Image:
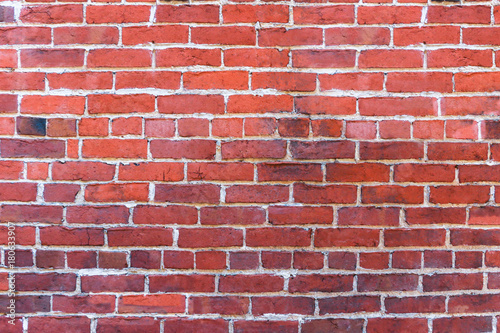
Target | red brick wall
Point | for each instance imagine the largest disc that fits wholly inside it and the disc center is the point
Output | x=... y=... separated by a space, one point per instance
x=268 y=166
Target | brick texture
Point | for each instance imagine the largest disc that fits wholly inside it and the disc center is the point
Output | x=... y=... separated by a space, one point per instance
x=250 y=165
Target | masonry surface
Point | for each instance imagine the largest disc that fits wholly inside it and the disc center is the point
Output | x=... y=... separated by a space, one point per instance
x=250 y=166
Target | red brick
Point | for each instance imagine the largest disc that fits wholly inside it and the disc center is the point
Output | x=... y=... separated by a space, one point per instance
x=284 y=81
x=447 y=282
x=218 y=171
x=61 y=192
x=143 y=236
x=351 y=81
x=390 y=58
x=481 y=35
x=289 y=172
x=112 y=324
x=31 y=213
x=52 y=14
x=119 y=58
x=320 y=283
x=188 y=14
x=360 y=172
x=182 y=283
x=170 y=303
x=117 y=14
x=222 y=305
x=279 y=215
x=84 y=304
x=210 y=260
x=424 y=173
x=53 y=105
x=326 y=127
x=282 y=305
x=225 y=35
x=227 y=127
x=43 y=324
x=474 y=303
x=475 y=237
x=324 y=194
x=243 y=260
x=256 y=57
x=174 y=325
x=260 y=126
x=374 y=260
x=171 y=259
x=155 y=35
x=484 y=215
x=438 y=259
x=276 y=237
x=459 y=58
x=86 y=35
x=276 y=259
x=117 y=192
x=113 y=260
x=45 y=282
x=417 y=82
x=379 y=325
x=190 y=104
x=325 y=105
x=350 y=304
x=468 y=259
x=434 y=215
x=368 y=216
x=329 y=325
x=414 y=237
x=364 y=130
x=323 y=14
x=250 y=283
x=459 y=194
x=52 y=58
x=461 y=324
x=188 y=193
x=426 y=35
x=252 y=14
x=461 y=106
x=392 y=194
x=345 y=237
x=18 y=192
x=290 y=37
x=237 y=80
x=459 y=14
x=210 y=237
x=389 y=14
x=188 y=57
x=322 y=150
x=323 y=58
x=190 y=127
x=71 y=236
x=112 y=283
x=25 y=35
x=165 y=215
x=393 y=106
x=113 y=148
x=357 y=36
x=22 y=81
x=406 y=260
x=442 y=151
x=418 y=304
x=232 y=215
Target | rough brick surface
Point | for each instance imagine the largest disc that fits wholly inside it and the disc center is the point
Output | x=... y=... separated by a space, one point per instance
x=250 y=165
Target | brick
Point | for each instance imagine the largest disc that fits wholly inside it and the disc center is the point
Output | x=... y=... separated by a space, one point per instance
x=226 y=305
x=188 y=14
x=289 y=172
x=117 y=192
x=406 y=260
x=250 y=283
x=112 y=283
x=85 y=35
x=190 y=104
x=146 y=259
x=46 y=282
x=113 y=260
x=325 y=105
x=320 y=283
x=77 y=324
x=442 y=151
x=327 y=325
x=419 y=173
x=459 y=58
x=470 y=106
x=276 y=237
x=378 y=325
x=399 y=150
x=389 y=14
x=261 y=57
x=345 y=237
x=419 y=304
x=484 y=215
x=241 y=13
x=426 y=35
x=139 y=103
x=52 y=58
x=462 y=324
x=323 y=14
x=25 y=35
x=218 y=171
x=276 y=259
x=313 y=194
x=284 y=81
x=31 y=213
x=61 y=127
x=390 y=59
x=350 y=304
x=99 y=58
x=280 y=215
x=468 y=259
x=210 y=237
x=21 y=81
x=357 y=36
x=111 y=324
x=113 y=148
x=205 y=193
x=117 y=14
x=414 y=237
x=308 y=260
x=165 y=34
x=473 y=303
x=52 y=14
x=438 y=259
x=459 y=14
x=160 y=80
x=52 y=105
x=173 y=325
x=226 y=35
x=282 y=305
x=188 y=57
x=351 y=81
x=143 y=236
x=232 y=215
x=459 y=194
x=182 y=283
x=18 y=192
x=322 y=150
x=434 y=215
x=84 y=304
x=446 y=282
x=210 y=260
x=360 y=172
x=71 y=236
x=365 y=130
x=323 y=58
x=290 y=37
x=326 y=127
x=393 y=106
x=170 y=303
x=421 y=81
x=61 y=192
x=260 y=126
x=368 y=216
